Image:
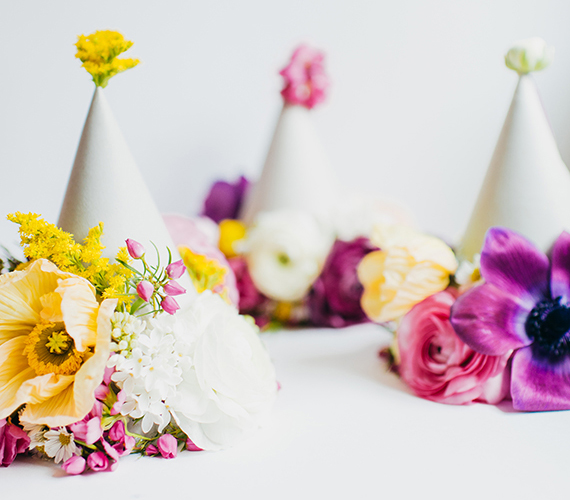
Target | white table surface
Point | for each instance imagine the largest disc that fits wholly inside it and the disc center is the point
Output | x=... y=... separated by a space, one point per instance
x=342 y=428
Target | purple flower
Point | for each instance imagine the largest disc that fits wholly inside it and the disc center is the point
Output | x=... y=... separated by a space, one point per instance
x=334 y=300
x=524 y=306
x=224 y=200
x=13 y=441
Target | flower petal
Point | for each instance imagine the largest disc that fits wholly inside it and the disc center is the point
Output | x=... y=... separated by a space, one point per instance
x=538 y=385
x=511 y=262
x=490 y=321
x=560 y=273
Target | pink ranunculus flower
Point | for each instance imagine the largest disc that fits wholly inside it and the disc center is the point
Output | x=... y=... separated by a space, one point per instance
x=306 y=82
x=13 y=441
x=437 y=365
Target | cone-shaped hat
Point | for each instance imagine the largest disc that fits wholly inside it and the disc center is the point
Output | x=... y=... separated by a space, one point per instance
x=297 y=173
x=527 y=185
x=106 y=186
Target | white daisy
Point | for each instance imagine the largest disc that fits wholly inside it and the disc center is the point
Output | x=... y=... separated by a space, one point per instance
x=36 y=433
x=60 y=445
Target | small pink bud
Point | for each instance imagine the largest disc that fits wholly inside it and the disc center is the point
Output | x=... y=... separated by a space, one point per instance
x=176 y=269
x=117 y=432
x=151 y=450
x=145 y=290
x=74 y=465
x=167 y=445
x=169 y=305
x=173 y=288
x=136 y=250
x=190 y=446
x=98 y=461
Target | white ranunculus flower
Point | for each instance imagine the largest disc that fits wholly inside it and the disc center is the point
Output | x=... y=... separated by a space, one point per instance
x=531 y=54
x=228 y=381
x=285 y=252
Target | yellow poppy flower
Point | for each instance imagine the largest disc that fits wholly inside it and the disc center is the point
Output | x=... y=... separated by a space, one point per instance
x=410 y=267
x=54 y=344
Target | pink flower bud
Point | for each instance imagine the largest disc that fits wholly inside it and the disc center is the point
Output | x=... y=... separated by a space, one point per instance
x=190 y=446
x=136 y=250
x=176 y=269
x=145 y=290
x=98 y=461
x=74 y=465
x=151 y=450
x=117 y=432
x=173 y=288
x=167 y=445
x=169 y=305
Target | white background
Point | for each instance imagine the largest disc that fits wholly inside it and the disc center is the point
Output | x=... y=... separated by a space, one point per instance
x=419 y=95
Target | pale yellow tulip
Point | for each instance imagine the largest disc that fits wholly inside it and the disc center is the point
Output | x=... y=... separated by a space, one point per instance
x=54 y=344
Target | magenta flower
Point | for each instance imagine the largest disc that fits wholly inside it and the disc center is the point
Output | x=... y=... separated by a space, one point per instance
x=173 y=288
x=98 y=461
x=251 y=301
x=136 y=250
x=306 y=82
x=169 y=305
x=190 y=446
x=524 y=307
x=167 y=445
x=74 y=465
x=151 y=450
x=176 y=269
x=13 y=441
x=225 y=199
x=334 y=300
x=145 y=290
x=87 y=430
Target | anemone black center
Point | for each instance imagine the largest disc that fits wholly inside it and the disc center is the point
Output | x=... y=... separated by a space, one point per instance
x=548 y=326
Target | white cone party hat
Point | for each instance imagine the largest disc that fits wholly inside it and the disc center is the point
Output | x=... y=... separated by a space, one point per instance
x=297 y=173
x=527 y=185
x=106 y=186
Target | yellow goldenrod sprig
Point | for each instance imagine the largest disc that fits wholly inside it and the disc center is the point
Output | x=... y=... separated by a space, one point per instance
x=41 y=240
x=98 y=52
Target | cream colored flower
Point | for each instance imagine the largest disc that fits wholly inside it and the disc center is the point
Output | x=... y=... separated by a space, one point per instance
x=531 y=54
x=54 y=344
x=60 y=445
x=409 y=268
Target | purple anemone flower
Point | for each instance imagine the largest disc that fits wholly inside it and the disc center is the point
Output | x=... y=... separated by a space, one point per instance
x=524 y=307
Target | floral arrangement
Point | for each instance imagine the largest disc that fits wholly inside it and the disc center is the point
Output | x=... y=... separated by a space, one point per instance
x=489 y=330
x=290 y=267
x=101 y=358
x=92 y=370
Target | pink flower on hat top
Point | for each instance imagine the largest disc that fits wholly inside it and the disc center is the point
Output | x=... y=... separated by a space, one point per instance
x=306 y=82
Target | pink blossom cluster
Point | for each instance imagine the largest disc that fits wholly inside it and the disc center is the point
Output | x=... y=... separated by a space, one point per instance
x=162 y=287
x=306 y=82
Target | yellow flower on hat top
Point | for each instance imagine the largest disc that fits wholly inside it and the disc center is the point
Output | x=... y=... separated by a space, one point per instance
x=408 y=268
x=98 y=52
x=54 y=344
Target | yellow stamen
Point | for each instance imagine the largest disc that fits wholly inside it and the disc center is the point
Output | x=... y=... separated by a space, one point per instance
x=51 y=350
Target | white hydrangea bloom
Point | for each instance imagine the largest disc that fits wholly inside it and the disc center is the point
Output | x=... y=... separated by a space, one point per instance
x=285 y=252
x=205 y=367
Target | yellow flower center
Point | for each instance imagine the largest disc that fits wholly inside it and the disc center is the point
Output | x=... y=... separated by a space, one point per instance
x=51 y=350
x=64 y=439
